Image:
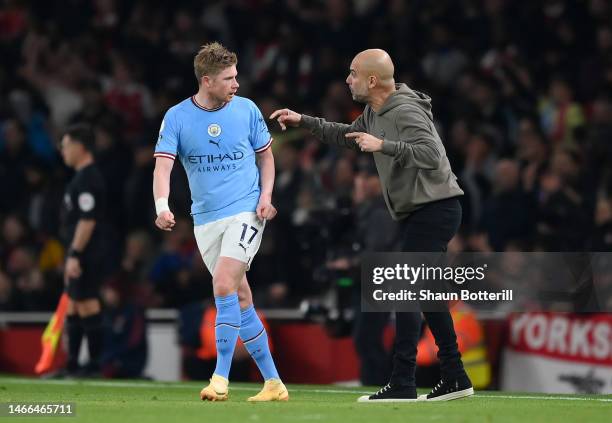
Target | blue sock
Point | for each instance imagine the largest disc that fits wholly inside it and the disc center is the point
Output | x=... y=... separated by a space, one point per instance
x=227 y=326
x=255 y=339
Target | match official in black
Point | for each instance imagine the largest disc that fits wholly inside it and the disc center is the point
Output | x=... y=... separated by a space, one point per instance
x=420 y=191
x=84 y=208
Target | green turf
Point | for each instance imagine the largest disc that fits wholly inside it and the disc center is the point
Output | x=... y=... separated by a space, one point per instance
x=135 y=401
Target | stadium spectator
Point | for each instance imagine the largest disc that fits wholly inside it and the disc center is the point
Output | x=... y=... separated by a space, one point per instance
x=560 y=114
x=508 y=213
x=602 y=233
x=6 y=293
x=172 y=266
x=15 y=156
x=32 y=294
x=125 y=332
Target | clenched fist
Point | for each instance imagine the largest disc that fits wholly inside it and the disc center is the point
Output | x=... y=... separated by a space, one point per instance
x=165 y=221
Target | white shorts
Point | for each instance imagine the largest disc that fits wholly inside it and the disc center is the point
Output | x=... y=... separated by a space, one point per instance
x=237 y=236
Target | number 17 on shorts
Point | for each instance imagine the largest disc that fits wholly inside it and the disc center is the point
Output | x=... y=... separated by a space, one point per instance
x=238 y=237
x=245 y=233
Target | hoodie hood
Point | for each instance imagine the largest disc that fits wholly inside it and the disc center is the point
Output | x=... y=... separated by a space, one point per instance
x=404 y=95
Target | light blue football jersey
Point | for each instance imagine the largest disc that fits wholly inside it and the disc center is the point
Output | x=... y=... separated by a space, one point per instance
x=217 y=149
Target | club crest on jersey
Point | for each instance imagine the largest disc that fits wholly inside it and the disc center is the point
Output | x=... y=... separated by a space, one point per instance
x=214 y=130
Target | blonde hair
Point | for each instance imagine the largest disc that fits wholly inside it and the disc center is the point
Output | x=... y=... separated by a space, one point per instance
x=212 y=59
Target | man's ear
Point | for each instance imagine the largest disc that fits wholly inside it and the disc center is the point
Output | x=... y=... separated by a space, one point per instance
x=206 y=81
x=372 y=81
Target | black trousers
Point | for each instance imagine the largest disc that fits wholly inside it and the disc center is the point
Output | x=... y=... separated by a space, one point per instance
x=429 y=229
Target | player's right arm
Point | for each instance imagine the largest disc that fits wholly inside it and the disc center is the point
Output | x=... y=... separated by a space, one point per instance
x=165 y=154
x=328 y=132
x=161 y=192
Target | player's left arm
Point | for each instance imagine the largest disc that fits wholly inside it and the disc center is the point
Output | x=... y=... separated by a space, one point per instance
x=261 y=141
x=88 y=207
x=265 y=163
x=82 y=235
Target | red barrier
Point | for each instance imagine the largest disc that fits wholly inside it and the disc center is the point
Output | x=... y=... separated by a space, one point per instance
x=20 y=349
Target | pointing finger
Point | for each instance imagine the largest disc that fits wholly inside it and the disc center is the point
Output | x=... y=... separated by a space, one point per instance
x=353 y=134
x=276 y=113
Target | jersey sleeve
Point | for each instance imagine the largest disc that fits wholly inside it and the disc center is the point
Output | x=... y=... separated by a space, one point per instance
x=167 y=141
x=260 y=135
x=89 y=200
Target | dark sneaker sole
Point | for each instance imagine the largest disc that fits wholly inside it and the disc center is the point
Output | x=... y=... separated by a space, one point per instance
x=366 y=398
x=451 y=396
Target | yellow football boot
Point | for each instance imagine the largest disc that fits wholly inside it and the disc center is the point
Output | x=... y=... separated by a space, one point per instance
x=216 y=389
x=273 y=390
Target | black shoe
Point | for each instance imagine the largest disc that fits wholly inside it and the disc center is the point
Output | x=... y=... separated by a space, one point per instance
x=90 y=371
x=447 y=390
x=64 y=373
x=392 y=393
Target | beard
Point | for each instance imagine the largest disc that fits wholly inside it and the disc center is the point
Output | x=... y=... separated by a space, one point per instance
x=359 y=98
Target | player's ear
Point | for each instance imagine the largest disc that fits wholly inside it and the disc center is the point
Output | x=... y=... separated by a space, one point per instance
x=206 y=81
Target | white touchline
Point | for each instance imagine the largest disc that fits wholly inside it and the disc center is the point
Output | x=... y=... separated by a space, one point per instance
x=243 y=388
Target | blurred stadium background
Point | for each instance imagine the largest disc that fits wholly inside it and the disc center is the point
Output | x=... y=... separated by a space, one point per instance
x=522 y=93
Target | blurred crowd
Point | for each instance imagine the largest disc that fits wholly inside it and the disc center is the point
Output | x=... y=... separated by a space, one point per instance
x=522 y=96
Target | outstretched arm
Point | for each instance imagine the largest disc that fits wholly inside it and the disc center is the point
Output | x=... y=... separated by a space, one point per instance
x=328 y=132
x=161 y=192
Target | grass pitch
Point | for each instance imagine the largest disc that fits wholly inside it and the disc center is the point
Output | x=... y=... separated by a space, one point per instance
x=136 y=401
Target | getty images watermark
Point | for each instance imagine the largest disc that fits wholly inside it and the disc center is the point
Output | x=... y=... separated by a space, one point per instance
x=516 y=281
x=423 y=273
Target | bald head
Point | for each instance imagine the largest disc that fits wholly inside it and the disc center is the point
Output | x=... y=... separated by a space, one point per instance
x=375 y=62
x=371 y=77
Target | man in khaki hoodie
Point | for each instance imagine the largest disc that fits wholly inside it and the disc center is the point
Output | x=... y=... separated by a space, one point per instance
x=420 y=191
